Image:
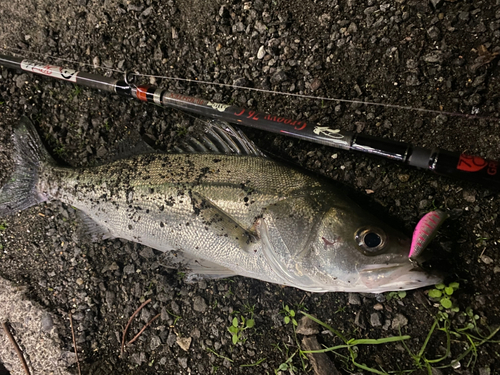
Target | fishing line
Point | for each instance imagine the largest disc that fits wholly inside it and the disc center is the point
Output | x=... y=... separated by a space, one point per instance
x=324 y=98
x=265 y=91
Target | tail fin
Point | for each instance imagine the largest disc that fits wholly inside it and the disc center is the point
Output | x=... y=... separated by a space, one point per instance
x=21 y=192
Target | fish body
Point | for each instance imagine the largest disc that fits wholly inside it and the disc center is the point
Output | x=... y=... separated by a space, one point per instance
x=226 y=214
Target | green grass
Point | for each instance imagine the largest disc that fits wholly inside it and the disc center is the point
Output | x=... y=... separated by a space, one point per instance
x=442 y=293
x=240 y=323
x=351 y=345
x=469 y=337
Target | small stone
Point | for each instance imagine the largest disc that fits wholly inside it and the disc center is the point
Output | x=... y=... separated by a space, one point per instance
x=199 y=304
x=463 y=16
x=261 y=53
x=202 y=284
x=469 y=196
x=353 y=299
x=324 y=19
x=315 y=84
x=399 y=321
x=260 y=27
x=113 y=267
x=171 y=339
x=352 y=28
x=486 y=259
x=385 y=7
x=196 y=333
x=435 y=3
x=47 y=322
x=242 y=81
x=79 y=281
x=434 y=33
x=386 y=325
x=21 y=80
x=147 y=253
x=479 y=80
x=129 y=269
x=147 y=12
x=223 y=12
x=110 y=298
x=136 y=358
x=307 y=326
x=184 y=342
x=278 y=77
x=183 y=361
x=359 y=320
x=423 y=204
x=435 y=57
x=239 y=27
x=155 y=342
x=375 y=319
x=441 y=119
x=412 y=80
x=403 y=177
x=175 y=308
x=378 y=307
x=411 y=64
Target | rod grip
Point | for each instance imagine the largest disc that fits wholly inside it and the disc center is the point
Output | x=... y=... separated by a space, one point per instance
x=472 y=168
x=466 y=167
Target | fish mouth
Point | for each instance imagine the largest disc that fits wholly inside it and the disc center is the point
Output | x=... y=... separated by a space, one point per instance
x=380 y=278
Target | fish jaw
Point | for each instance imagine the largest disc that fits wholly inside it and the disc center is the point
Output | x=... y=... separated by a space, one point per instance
x=404 y=275
x=374 y=278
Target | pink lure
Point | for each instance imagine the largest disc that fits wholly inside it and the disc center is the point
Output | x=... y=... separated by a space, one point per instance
x=425 y=231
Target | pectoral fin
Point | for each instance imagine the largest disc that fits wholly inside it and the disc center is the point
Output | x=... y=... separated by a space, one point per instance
x=221 y=223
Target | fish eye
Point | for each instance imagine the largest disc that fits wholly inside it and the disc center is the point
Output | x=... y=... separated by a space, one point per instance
x=371 y=240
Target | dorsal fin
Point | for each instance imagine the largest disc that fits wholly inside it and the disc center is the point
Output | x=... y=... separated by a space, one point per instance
x=213 y=136
x=221 y=138
x=132 y=145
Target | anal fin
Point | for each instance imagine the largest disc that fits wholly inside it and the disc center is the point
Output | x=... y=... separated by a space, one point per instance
x=197 y=268
x=90 y=228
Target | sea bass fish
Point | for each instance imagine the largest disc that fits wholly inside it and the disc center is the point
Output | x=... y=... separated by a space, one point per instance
x=227 y=211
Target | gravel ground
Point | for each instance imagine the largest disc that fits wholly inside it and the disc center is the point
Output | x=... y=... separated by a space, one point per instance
x=439 y=55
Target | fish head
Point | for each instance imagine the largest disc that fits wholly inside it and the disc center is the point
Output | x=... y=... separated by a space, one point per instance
x=351 y=250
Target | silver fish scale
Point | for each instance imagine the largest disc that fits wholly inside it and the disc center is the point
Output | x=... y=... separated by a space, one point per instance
x=205 y=204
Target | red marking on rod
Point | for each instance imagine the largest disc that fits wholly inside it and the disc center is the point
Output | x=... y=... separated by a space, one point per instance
x=471 y=163
x=142 y=93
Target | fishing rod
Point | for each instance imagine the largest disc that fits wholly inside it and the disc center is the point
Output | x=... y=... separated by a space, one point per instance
x=441 y=162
